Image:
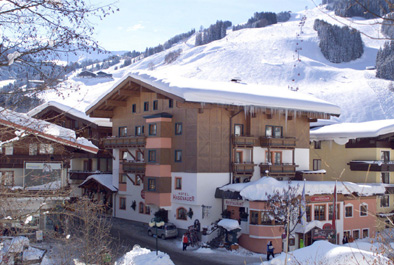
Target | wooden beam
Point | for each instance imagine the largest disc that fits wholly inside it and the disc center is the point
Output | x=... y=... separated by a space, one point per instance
x=128 y=93
x=160 y=96
x=115 y=103
x=191 y=105
x=102 y=114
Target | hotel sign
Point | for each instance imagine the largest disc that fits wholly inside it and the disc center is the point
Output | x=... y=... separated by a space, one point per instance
x=235 y=203
x=323 y=198
x=184 y=197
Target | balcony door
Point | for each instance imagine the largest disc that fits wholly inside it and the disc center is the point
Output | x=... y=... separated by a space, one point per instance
x=274 y=157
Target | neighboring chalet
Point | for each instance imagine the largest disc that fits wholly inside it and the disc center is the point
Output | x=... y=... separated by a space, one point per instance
x=34 y=162
x=92 y=129
x=355 y=214
x=357 y=152
x=174 y=144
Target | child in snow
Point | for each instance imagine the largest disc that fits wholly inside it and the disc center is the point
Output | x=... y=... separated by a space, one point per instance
x=270 y=250
x=185 y=241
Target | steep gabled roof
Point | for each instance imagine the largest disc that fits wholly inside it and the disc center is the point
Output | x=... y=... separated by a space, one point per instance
x=30 y=126
x=61 y=108
x=204 y=92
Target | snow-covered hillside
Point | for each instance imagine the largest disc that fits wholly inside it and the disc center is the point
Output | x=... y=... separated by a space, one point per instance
x=266 y=56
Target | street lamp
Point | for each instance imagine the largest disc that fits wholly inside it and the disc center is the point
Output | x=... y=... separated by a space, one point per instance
x=156 y=222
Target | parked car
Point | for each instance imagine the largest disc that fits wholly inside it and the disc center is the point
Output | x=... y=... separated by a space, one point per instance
x=167 y=231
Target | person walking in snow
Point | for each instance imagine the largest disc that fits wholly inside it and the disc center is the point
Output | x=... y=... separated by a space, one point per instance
x=185 y=241
x=270 y=250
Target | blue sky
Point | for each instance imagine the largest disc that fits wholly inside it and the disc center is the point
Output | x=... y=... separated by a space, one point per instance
x=147 y=23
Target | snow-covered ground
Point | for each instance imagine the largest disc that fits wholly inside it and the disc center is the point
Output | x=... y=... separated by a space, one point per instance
x=265 y=56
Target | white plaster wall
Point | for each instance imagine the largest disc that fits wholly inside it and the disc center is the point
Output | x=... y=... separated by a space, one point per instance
x=302 y=158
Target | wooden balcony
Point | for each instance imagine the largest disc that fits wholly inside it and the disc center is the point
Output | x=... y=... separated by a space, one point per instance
x=372 y=165
x=133 y=167
x=243 y=169
x=82 y=175
x=283 y=143
x=311 y=175
x=127 y=141
x=278 y=170
x=244 y=141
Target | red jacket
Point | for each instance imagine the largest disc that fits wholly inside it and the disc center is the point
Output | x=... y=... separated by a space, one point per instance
x=185 y=239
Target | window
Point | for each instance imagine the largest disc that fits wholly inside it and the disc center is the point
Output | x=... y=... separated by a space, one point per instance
x=238 y=157
x=178 y=183
x=291 y=241
x=273 y=131
x=139 y=130
x=385 y=177
x=365 y=232
x=44 y=149
x=124 y=155
x=363 y=210
x=152 y=129
x=147 y=209
x=356 y=234
x=33 y=149
x=139 y=156
x=141 y=207
x=178 y=128
x=9 y=149
x=385 y=156
x=155 y=104
x=274 y=157
x=349 y=211
x=170 y=103
x=316 y=164
x=152 y=156
x=146 y=106
x=122 y=178
x=317 y=144
x=178 y=155
x=254 y=217
x=122 y=131
x=151 y=184
x=320 y=212
x=181 y=213
x=385 y=201
x=330 y=213
x=7 y=178
x=122 y=203
x=238 y=130
x=137 y=180
x=134 y=108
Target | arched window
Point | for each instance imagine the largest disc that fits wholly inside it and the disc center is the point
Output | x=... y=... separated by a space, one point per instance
x=181 y=213
x=141 y=207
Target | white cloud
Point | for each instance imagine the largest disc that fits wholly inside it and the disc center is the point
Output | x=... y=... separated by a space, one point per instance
x=135 y=27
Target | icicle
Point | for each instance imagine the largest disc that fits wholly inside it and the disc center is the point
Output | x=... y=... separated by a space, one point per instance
x=331 y=145
x=295 y=117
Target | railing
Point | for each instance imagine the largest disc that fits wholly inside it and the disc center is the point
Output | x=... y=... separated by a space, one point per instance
x=372 y=165
x=127 y=141
x=243 y=168
x=133 y=167
x=82 y=175
x=278 y=169
x=244 y=140
x=287 y=142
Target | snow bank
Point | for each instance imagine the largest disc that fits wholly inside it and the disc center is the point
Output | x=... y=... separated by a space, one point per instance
x=261 y=189
x=229 y=224
x=322 y=252
x=143 y=256
x=342 y=132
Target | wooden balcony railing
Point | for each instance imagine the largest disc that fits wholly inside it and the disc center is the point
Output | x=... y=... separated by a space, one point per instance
x=248 y=141
x=372 y=165
x=285 y=143
x=278 y=169
x=133 y=167
x=127 y=141
x=244 y=169
x=82 y=175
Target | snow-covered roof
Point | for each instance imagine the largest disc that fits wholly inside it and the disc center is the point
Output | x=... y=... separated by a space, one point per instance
x=229 y=224
x=229 y=93
x=261 y=189
x=103 y=179
x=25 y=125
x=68 y=109
x=342 y=132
